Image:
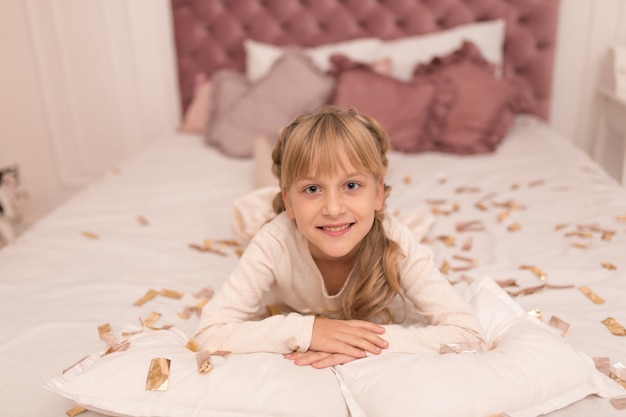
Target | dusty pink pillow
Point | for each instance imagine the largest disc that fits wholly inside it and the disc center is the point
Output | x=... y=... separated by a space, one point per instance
x=401 y=108
x=474 y=110
x=293 y=86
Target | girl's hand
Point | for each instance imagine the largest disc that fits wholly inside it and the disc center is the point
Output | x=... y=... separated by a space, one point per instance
x=319 y=360
x=352 y=338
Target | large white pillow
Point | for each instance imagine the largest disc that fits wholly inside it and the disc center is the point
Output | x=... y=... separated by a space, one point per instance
x=406 y=53
x=530 y=371
x=259 y=385
x=261 y=56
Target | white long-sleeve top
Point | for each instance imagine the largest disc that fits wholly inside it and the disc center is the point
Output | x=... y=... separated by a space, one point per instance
x=278 y=262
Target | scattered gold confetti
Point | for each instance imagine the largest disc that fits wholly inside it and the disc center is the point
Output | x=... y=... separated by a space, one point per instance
x=407 y=179
x=579 y=245
x=467 y=244
x=503 y=215
x=619 y=370
x=447 y=240
x=510 y=205
x=509 y=282
x=595 y=298
x=74 y=364
x=526 y=291
x=481 y=206
x=621 y=218
x=603 y=365
x=583 y=235
x=619 y=403
x=75 y=411
x=536 y=183
x=536 y=313
x=149 y=295
x=560 y=226
x=143 y=221
x=273 y=310
x=203 y=360
x=103 y=330
x=445 y=267
x=559 y=324
x=206 y=292
x=90 y=235
x=608 y=235
x=467 y=189
x=158 y=375
x=535 y=270
x=169 y=293
x=614 y=327
x=192 y=345
x=470 y=226
x=514 y=227
x=609 y=266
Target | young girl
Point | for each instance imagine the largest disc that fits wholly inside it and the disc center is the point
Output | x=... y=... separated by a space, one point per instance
x=348 y=273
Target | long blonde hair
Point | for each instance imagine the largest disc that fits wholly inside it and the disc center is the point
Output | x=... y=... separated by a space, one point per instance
x=310 y=144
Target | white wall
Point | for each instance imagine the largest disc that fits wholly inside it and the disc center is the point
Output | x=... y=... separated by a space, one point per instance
x=85 y=84
x=587 y=28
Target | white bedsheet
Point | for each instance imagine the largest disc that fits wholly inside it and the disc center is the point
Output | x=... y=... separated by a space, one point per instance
x=57 y=285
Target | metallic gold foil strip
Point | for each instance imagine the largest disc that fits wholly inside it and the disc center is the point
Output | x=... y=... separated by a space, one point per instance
x=152 y=318
x=503 y=215
x=579 y=245
x=619 y=370
x=461 y=347
x=619 y=403
x=72 y=412
x=468 y=280
x=142 y=220
x=103 y=330
x=621 y=218
x=239 y=252
x=158 y=375
x=206 y=292
x=560 y=226
x=514 y=186
x=526 y=291
x=614 y=327
x=445 y=267
x=169 y=293
x=535 y=270
x=467 y=244
x=609 y=266
x=406 y=179
x=74 y=364
x=608 y=236
x=470 y=226
x=90 y=235
x=514 y=227
x=192 y=345
x=464 y=259
x=559 y=324
x=536 y=313
x=582 y=235
x=603 y=365
x=434 y=202
x=509 y=282
x=481 y=206
x=273 y=310
x=595 y=298
x=467 y=189
x=119 y=347
x=618 y=380
x=149 y=295
x=510 y=204
x=221 y=353
x=228 y=242
x=203 y=359
x=447 y=240
x=536 y=183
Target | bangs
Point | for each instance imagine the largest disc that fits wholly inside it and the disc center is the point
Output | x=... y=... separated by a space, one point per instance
x=324 y=146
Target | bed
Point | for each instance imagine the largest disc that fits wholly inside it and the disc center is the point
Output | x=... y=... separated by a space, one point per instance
x=100 y=297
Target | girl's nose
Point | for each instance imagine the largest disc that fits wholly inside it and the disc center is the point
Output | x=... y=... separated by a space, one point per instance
x=333 y=204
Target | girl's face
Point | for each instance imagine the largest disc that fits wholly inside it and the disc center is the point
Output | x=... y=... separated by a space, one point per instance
x=335 y=212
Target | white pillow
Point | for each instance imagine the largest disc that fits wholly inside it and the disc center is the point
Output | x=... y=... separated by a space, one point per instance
x=260 y=384
x=529 y=372
x=406 y=53
x=261 y=56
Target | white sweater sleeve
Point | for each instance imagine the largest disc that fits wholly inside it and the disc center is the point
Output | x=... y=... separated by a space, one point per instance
x=227 y=321
x=449 y=318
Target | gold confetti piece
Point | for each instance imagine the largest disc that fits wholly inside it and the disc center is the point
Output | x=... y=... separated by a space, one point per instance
x=595 y=298
x=503 y=215
x=192 y=345
x=406 y=179
x=510 y=205
x=536 y=183
x=470 y=226
x=72 y=412
x=526 y=291
x=607 y=235
x=445 y=267
x=447 y=240
x=273 y=310
x=583 y=235
x=206 y=292
x=143 y=221
x=621 y=218
x=169 y=293
x=514 y=227
x=467 y=189
x=536 y=313
x=152 y=318
x=467 y=279
x=239 y=252
x=461 y=347
x=74 y=364
x=149 y=295
x=481 y=206
x=619 y=370
x=158 y=375
x=509 y=282
x=90 y=235
x=579 y=245
x=467 y=244
x=560 y=226
x=203 y=360
x=514 y=187
x=221 y=353
x=103 y=330
x=614 y=327
x=210 y=249
x=464 y=258
x=435 y=202
x=603 y=365
x=609 y=266
x=119 y=347
x=559 y=324
x=535 y=270
x=619 y=403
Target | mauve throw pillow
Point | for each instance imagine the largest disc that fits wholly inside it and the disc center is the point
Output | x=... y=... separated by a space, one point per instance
x=292 y=87
x=401 y=108
x=475 y=109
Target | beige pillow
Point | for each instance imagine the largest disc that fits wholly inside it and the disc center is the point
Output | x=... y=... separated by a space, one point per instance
x=292 y=87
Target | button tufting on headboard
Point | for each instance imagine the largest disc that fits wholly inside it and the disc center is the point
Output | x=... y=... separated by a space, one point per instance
x=209 y=34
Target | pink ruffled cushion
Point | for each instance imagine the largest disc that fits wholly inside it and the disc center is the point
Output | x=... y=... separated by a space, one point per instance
x=474 y=109
x=401 y=108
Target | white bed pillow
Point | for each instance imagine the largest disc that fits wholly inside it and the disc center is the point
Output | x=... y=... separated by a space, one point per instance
x=260 y=384
x=406 y=53
x=261 y=56
x=530 y=371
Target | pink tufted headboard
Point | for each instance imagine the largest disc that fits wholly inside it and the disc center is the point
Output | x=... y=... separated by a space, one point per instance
x=209 y=34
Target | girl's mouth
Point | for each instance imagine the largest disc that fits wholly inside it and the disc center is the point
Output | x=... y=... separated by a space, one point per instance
x=336 y=229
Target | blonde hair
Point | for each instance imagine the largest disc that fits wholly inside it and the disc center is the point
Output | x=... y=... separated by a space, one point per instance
x=310 y=144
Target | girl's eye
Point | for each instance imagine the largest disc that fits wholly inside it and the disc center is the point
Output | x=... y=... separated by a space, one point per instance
x=352 y=186
x=311 y=189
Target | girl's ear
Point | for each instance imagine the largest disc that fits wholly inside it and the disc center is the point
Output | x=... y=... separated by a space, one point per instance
x=380 y=195
x=288 y=206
